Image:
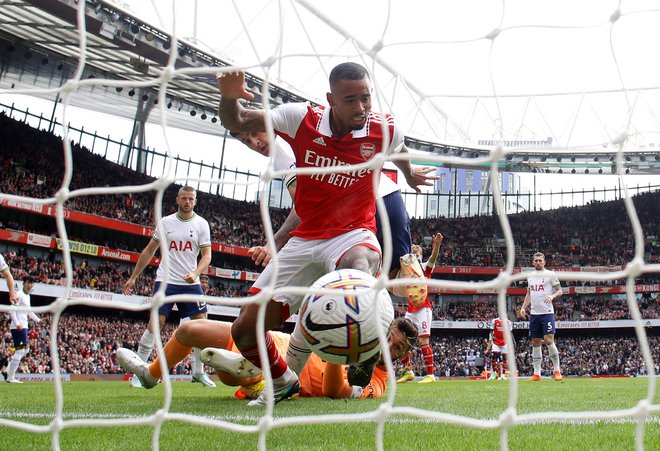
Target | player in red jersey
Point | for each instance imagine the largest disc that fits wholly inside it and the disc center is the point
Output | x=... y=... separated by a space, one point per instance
x=421 y=315
x=337 y=210
x=499 y=368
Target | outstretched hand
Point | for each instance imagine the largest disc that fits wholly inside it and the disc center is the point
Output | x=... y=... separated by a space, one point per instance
x=421 y=176
x=232 y=85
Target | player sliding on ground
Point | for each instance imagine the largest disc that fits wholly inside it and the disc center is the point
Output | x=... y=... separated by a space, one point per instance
x=317 y=379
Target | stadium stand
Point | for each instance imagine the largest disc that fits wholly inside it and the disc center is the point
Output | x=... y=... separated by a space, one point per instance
x=572 y=237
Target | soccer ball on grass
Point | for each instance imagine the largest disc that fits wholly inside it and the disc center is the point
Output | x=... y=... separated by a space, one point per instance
x=342 y=328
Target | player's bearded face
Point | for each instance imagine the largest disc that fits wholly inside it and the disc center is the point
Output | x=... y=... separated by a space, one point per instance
x=186 y=202
x=539 y=263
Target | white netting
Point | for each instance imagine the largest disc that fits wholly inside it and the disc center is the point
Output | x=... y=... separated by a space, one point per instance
x=529 y=81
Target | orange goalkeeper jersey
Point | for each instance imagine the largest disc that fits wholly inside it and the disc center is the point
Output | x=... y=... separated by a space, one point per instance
x=311 y=378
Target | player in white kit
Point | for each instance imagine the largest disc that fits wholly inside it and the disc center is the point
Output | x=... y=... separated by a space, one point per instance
x=6 y=273
x=19 y=328
x=187 y=235
x=543 y=288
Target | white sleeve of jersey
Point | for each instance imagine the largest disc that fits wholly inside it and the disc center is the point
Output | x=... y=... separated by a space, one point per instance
x=283 y=160
x=33 y=316
x=397 y=141
x=204 y=234
x=554 y=281
x=386 y=186
x=3 y=263
x=155 y=236
x=287 y=117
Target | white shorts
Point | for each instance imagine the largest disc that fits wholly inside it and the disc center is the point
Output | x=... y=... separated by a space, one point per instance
x=497 y=348
x=422 y=319
x=302 y=262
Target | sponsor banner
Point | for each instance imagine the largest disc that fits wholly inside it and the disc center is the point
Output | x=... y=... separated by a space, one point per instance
x=223 y=310
x=115 y=254
x=38 y=377
x=39 y=240
x=487 y=325
x=79 y=247
x=28 y=206
x=233 y=250
x=509 y=291
x=13 y=235
x=80 y=293
x=495 y=270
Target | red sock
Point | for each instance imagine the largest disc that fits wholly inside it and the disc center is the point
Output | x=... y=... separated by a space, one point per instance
x=427 y=352
x=505 y=365
x=278 y=365
x=406 y=362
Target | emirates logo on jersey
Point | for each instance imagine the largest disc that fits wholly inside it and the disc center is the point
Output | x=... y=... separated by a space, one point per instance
x=367 y=150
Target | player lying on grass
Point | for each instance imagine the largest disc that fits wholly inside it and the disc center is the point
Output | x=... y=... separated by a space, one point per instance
x=318 y=378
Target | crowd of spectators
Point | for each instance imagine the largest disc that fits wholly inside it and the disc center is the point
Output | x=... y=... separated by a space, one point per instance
x=27 y=157
x=110 y=276
x=593 y=235
x=87 y=342
x=579 y=356
x=101 y=275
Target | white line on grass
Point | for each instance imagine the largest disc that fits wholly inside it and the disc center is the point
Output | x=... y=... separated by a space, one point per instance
x=655 y=419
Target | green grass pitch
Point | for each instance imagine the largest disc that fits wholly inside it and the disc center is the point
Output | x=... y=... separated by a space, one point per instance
x=34 y=403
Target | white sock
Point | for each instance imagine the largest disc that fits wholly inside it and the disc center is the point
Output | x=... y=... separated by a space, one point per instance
x=536 y=359
x=285 y=379
x=145 y=345
x=195 y=362
x=553 y=352
x=298 y=352
x=14 y=363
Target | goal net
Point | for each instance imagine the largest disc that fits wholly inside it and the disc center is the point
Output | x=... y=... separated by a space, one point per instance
x=563 y=92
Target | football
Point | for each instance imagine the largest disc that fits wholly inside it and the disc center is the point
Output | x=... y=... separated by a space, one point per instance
x=342 y=328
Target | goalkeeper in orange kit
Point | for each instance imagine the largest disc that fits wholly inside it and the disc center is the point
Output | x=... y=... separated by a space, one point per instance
x=318 y=378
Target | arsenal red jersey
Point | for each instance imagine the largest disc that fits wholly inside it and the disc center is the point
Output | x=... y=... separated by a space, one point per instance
x=334 y=203
x=428 y=271
x=498 y=331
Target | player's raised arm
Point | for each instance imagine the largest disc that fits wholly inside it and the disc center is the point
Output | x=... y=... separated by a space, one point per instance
x=232 y=114
x=437 y=241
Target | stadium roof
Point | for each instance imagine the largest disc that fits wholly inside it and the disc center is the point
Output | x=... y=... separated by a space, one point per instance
x=40 y=48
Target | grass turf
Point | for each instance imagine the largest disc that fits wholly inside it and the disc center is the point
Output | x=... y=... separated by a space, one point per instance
x=113 y=402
